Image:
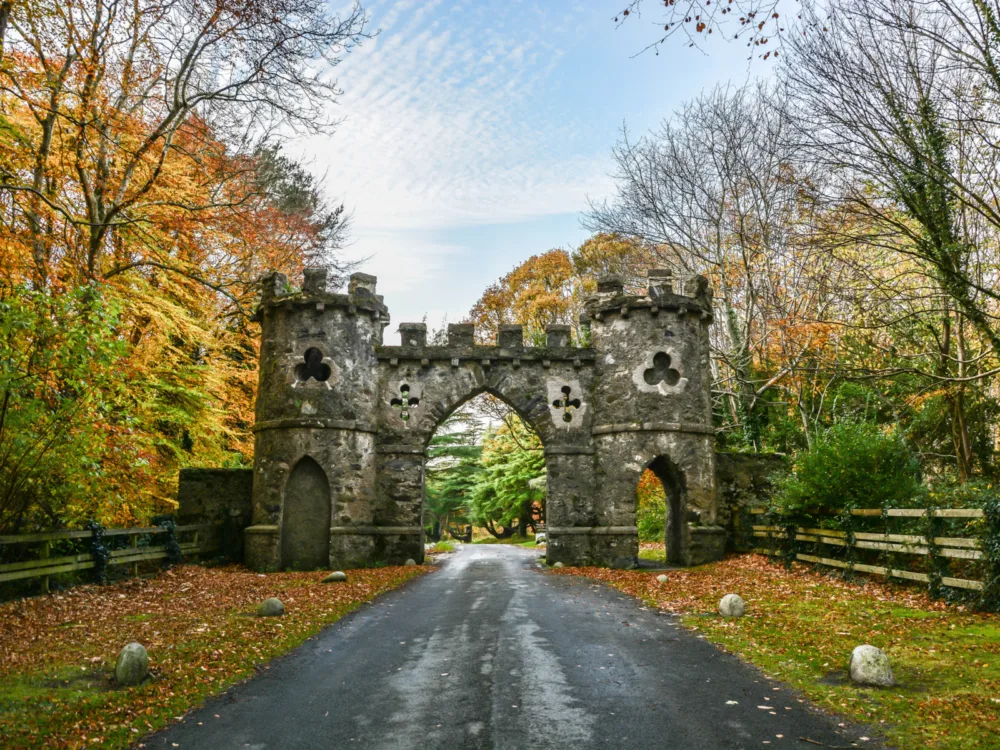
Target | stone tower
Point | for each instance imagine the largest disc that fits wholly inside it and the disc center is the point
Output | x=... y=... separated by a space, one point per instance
x=343 y=422
x=652 y=404
x=314 y=436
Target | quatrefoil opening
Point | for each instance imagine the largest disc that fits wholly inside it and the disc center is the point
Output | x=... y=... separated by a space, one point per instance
x=661 y=371
x=404 y=401
x=312 y=366
x=567 y=404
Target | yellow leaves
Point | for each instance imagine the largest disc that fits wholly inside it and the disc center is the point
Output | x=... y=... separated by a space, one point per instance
x=536 y=293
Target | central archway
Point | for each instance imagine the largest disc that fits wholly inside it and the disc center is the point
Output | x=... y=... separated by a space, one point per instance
x=485 y=469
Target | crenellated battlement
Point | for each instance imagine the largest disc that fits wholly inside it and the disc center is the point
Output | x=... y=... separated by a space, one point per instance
x=344 y=421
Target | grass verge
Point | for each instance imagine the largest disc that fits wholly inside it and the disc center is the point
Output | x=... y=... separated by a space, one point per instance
x=57 y=652
x=519 y=541
x=801 y=627
x=442 y=547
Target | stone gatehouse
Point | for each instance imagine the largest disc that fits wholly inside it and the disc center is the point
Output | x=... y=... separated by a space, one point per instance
x=343 y=422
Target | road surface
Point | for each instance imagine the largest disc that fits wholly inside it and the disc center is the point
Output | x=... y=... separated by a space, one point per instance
x=492 y=652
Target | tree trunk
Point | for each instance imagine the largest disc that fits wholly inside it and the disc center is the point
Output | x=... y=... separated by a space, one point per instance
x=6 y=8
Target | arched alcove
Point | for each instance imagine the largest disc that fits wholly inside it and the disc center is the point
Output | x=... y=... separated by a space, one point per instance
x=305 y=518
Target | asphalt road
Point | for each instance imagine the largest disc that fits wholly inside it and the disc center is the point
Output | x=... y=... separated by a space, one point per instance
x=491 y=652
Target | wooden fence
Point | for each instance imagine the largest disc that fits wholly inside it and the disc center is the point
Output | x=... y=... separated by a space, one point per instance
x=962 y=548
x=44 y=565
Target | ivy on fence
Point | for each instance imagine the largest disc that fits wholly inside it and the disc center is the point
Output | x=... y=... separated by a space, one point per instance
x=98 y=550
x=174 y=554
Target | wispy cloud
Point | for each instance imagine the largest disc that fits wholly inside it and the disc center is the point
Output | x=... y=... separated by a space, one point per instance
x=448 y=119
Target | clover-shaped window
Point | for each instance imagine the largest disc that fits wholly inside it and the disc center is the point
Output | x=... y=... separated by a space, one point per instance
x=661 y=371
x=567 y=404
x=312 y=366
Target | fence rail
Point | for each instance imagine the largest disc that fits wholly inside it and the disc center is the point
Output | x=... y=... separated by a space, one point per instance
x=44 y=565
x=958 y=548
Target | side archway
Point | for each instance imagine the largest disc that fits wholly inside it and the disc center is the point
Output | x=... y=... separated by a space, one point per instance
x=675 y=489
x=305 y=518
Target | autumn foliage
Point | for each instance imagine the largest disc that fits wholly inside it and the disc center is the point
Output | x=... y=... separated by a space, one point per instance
x=197 y=625
x=141 y=197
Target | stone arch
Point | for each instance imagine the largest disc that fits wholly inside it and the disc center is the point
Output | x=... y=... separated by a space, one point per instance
x=675 y=486
x=466 y=398
x=305 y=518
x=531 y=417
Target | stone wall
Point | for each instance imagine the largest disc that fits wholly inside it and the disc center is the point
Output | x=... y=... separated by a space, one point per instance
x=743 y=481
x=221 y=497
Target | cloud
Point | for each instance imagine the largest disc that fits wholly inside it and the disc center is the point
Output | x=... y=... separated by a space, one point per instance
x=447 y=119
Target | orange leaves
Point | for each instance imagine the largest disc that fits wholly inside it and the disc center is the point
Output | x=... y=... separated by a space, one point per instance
x=536 y=293
x=192 y=620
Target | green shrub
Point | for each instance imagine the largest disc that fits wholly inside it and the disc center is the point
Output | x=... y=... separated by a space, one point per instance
x=851 y=465
x=651 y=508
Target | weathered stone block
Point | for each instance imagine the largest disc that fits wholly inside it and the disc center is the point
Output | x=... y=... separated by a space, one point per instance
x=461 y=334
x=659 y=282
x=707 y=544
x=510 y=336
x=222 y=498
x=413 y=334
x=610 y=284
x=557 y=336
x=314 y=280
x=260 y=545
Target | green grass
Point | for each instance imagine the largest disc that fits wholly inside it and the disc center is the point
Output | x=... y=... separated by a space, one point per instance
x=520 y=541
x=442 y=546
x=56 y=675
x=801 y=627
x=529 y=543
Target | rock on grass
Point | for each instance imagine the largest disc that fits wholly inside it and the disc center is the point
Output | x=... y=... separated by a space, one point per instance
x=132 y=665
x=271 y=608
x=870 y=666
x=732 y=605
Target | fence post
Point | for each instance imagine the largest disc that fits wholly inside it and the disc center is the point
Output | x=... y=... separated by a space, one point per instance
x=135 y=563
x=46 y=550
x=934 y=527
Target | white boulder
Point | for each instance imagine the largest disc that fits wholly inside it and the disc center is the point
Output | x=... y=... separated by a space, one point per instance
x=132 y=665
x=558 y=565
x=336 y=576
x=870 y=666
x=662 y=578
x=410 y=562
x=732 y=605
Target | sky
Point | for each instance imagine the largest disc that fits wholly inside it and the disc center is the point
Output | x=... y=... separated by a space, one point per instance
x=472 y=134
